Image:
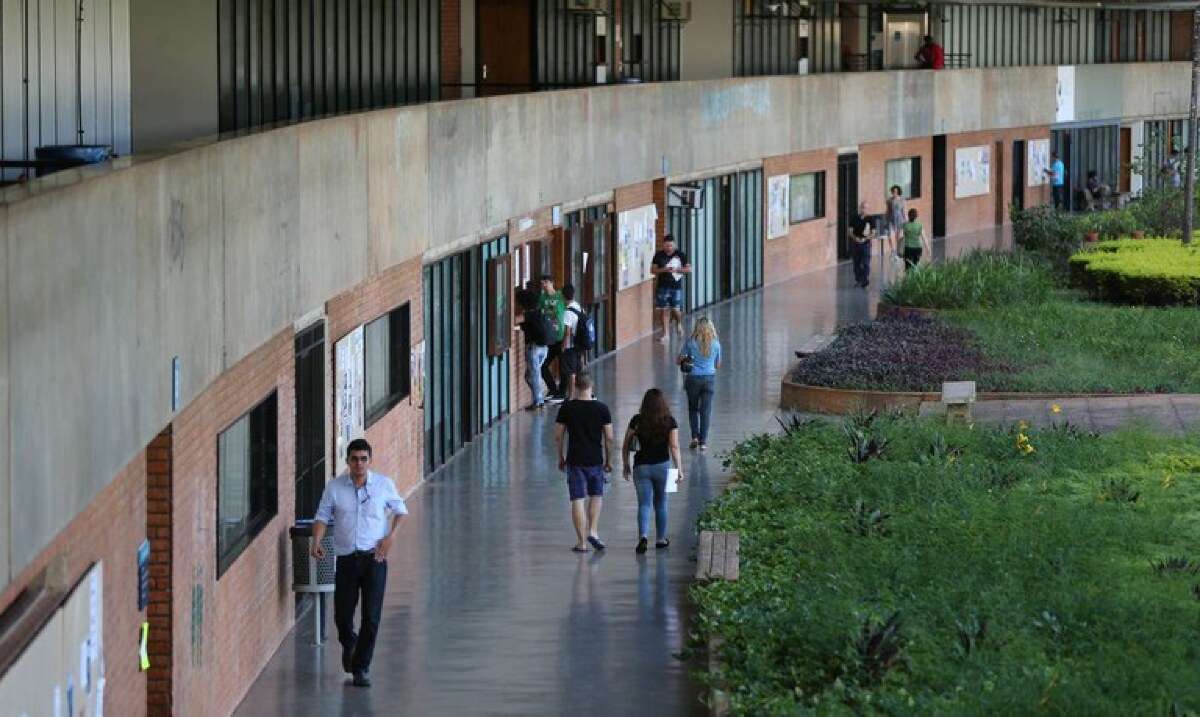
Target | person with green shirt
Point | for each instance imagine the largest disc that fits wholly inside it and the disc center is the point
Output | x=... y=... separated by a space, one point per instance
x=553 y=305
x=913 y=239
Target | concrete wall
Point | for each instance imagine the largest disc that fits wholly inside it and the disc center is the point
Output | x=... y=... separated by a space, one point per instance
x=173 y=63
x=208 y=253
x=706 y=43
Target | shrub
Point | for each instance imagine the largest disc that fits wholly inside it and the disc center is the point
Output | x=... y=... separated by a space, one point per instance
x=1150 y=272
x=914 y=354
x=1047 y=231
x=981 y=278
x=1158 y=212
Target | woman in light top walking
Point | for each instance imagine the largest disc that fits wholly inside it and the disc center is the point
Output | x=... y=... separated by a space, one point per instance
x=703 y=352
x=896 y=215
x=657 y=436
x=915 y=240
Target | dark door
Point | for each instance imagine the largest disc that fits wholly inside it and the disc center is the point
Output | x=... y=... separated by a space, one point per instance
x=1125 y=182
x=1018 y=174
x=310 y=419
x=998 y=192
x=505 y=46
x=847 y=200
x=939 y=185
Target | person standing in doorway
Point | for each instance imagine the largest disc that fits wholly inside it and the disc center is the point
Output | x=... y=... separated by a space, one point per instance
x=365 y=510
x=537 y=332
x=703 y=352
x=931 y=56
x=669 y=267
x=657 y=436
x=861 y=232
x=584 y=427
x=897 y=213
x=914 y=239
x=554 y=307
x=1170 y=171
x=574 y=357
x=1057 y=175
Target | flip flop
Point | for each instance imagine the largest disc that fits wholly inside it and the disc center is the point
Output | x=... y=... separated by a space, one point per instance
x=596 y=542
x=578 y=549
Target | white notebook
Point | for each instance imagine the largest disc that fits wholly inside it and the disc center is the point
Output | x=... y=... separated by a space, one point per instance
x=672 y=480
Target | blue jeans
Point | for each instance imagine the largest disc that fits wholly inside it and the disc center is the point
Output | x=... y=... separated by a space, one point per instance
x=535 y=356
x=699 y=394
x=651 y=483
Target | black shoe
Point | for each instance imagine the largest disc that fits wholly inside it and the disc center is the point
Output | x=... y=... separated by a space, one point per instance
x=641 y=546
x=361 y=679
x=348 y=659
x=534 y=406
x=664 y=543
x=556 y=399
x=866 y=283
x=596 y=543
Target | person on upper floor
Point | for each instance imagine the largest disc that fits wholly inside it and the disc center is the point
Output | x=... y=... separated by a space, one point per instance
x=931 y=56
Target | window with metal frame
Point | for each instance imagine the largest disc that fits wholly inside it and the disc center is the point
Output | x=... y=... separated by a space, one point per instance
x=247 y=486
x=386 y=350
x=310 y=419
x=807 y=199
x=904 y=173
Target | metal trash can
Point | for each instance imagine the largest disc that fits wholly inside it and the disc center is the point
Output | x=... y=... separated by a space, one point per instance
x=310 y=575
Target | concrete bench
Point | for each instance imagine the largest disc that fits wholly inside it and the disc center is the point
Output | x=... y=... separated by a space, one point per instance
x=717 y=557
x=957 y=397
x=814 y=344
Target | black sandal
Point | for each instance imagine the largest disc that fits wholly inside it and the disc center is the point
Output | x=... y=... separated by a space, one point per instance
x=665 y=542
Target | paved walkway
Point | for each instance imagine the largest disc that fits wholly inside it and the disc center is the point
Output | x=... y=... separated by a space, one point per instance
x=488 y=612
x=1177 y=413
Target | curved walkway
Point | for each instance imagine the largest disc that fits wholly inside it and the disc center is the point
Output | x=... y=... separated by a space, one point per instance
x=488 y=612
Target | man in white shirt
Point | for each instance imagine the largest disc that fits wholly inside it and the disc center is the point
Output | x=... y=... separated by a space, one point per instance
x=572 y=360
x=365 y=510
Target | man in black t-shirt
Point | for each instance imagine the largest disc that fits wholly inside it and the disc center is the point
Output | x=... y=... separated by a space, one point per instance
x=668 y=267
x=587 y=423
x=860 y=246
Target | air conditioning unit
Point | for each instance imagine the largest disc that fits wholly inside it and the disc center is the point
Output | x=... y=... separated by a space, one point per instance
x=686 y=196
x=679 y=11
x=591 y=7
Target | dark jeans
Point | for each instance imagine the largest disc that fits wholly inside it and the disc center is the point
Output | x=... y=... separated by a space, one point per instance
x=552 y=387
x=699 y=394
x=1059 y=195
x=912 y=256
x=358 y=572
x=860 y=253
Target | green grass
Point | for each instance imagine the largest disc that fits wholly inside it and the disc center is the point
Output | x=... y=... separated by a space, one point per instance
x=1045 y=549
x=1073 y=346
x=981 y=278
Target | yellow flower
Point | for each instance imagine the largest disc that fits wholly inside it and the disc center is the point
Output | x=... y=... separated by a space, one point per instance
x=1022 y=425
x=1055 y=408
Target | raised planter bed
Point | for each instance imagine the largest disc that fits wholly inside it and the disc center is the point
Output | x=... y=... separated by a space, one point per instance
x=891 y=311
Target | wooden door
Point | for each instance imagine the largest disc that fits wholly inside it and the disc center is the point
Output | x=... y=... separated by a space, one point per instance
x=1125 y=182
x=998 y=189
x=505 y=46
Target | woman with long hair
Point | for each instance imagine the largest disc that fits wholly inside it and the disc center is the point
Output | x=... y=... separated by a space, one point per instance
x=703 y=352
x=657 y=436
x=897 y=213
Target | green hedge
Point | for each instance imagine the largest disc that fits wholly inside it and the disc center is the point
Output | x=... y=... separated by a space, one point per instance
x=981 y=278
x=1150 y=272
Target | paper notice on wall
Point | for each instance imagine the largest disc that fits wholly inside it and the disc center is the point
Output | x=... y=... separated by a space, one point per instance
x=778 y=194
x=636 y=241
x=348 y=391
x=1037 y=162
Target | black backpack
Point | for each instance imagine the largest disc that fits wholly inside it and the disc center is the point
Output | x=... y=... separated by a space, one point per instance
x=537 y=328
x=584 y=336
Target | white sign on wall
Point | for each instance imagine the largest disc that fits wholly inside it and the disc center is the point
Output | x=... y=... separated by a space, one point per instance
x=777 y=206
x=1037 y=161
x=350 y=367
x=1064 y=95
x=635 y=245
x=972 y=171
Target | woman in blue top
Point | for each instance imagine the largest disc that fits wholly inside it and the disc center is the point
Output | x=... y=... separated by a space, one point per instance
x=704 y=350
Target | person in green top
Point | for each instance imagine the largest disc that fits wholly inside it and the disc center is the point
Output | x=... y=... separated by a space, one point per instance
x=553 y=305
x=914 y=240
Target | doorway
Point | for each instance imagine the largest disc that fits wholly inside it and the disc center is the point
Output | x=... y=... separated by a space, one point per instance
x=902 y=38
x=504 y=46
x=999 y=192
x=1018 y=174
x=939 y=185
x=847 y=200
x=310 y=419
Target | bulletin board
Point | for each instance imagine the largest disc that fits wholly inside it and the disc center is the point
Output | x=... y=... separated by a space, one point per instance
x=350 y=413
x=62 y=671
x=636 y=243
x=1037 y=162
x=972 y=171
x=778 y=193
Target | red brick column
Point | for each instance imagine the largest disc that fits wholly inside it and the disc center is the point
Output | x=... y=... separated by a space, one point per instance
x=451 y=59
x=159 y=528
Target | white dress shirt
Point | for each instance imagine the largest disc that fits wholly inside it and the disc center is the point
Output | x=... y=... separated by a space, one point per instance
x=361 y=517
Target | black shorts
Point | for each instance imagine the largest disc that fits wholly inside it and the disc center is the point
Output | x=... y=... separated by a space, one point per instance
x=570 y=362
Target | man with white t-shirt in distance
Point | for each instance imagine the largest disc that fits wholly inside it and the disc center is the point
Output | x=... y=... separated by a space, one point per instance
x=668 y=267
x=573 y=359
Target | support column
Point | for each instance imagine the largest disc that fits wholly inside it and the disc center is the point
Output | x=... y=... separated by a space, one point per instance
x=159 y=526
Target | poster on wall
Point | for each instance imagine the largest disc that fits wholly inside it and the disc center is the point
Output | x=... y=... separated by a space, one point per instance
x=417 y=392
x=499 y=313
x=1037 y=161
x=778 y=191
x=1064 y=95
x=349 y=367
x=972 y=171
x=635 y=245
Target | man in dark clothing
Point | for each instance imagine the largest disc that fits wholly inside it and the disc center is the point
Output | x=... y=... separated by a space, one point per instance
x=587 y=423
x=860 y=246
x=668 y=267
x=931 y=55
x=535 y=332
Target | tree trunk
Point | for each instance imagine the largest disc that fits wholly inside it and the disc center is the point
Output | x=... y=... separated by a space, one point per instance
x=1189 y=186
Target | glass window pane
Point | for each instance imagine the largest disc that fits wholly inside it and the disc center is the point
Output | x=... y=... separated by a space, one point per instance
x=899 y=172
x=233 y=505
x=376 y=347
x=803 y=196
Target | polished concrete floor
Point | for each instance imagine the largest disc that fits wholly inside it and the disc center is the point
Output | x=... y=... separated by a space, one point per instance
x=489 y=612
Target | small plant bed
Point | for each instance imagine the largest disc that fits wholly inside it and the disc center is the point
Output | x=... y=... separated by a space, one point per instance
x=979 y=279
x=1149 y=272
x=894 y=565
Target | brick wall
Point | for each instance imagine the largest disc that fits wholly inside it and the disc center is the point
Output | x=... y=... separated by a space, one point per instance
x=159 y=463
x=872 y=176
x=451 y=48
x=109 y=530
x=226 y=629
x=979 y=212
x=635 y=304
x=398 y=437
x=810 y=244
